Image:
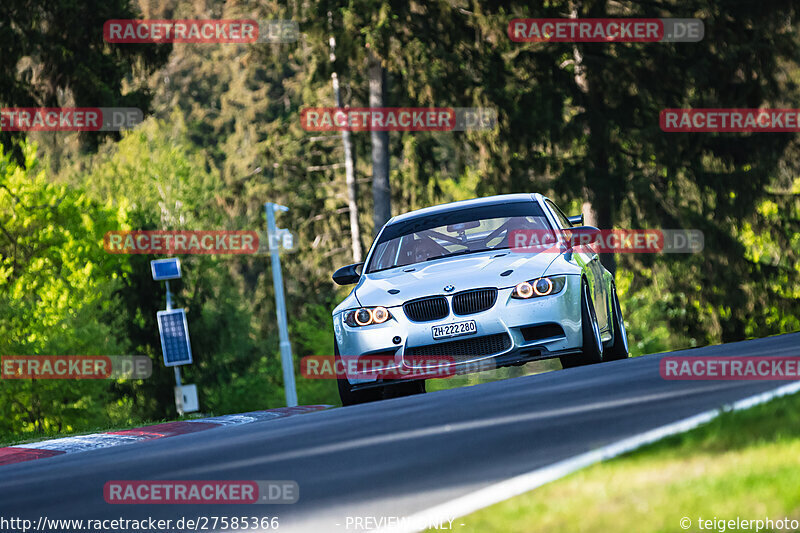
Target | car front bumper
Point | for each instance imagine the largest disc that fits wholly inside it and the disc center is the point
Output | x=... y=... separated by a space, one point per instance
x=513 y=330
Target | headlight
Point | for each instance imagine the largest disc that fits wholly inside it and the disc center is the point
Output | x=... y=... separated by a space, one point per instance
x=538 y=287
x=365 y=316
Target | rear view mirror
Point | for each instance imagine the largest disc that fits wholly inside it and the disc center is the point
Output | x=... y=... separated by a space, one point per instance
x=576 y=220
x=347 y=275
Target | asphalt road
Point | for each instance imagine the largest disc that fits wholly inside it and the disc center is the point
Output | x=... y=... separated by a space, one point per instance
x=391 y=458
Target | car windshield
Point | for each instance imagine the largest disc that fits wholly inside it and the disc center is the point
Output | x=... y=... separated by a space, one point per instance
x=457 y=232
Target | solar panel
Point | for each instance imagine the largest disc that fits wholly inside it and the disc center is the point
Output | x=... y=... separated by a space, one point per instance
x=165 y=269
x=174 y=337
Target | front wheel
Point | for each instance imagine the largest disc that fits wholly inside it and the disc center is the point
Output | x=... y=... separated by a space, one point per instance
x=592 y=350
x=619 y=349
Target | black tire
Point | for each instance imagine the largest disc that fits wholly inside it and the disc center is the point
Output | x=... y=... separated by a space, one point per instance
x=619 y=348
x=406 y=388
x=592 y=350
x=346 y=393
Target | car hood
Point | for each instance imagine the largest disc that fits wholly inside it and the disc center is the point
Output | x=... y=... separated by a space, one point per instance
x=465 y=272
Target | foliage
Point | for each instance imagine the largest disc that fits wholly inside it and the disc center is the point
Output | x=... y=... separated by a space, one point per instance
x=54 y=56
x=58 y=295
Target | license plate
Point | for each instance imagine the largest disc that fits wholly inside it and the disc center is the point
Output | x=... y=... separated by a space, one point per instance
x=456 y=329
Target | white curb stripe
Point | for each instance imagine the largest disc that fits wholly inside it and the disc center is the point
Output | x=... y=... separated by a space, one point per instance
x=96 y=441
x=226 y=420
x=528 y=481
x=82 y=443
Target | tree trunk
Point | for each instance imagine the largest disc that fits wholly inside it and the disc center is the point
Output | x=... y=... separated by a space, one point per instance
x=352 y=195
x=349 y=168
x=600 y=184
x=381 y=192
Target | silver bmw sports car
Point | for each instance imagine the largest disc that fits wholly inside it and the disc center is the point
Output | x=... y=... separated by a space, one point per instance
x=449 y=289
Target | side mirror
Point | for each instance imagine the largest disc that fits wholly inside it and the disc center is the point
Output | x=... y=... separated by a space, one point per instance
x=581 y=236
x=576 y=220
x=347 y=275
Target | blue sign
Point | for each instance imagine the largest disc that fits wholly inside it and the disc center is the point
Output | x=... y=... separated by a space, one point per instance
x=174 y=333
x=165 y=269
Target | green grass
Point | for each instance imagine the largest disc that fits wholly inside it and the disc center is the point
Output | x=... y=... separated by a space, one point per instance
x=742 y=464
